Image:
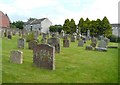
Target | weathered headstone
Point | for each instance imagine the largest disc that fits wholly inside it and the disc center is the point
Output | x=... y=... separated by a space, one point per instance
x=73 y=38
x=102 y=44
x=66 y=43
x=107 y=40
x=9 y=35
x=16 y=57
x=93 y=42
x=89 y=48
x=80 y=43
x=32 y=44
x=55 y=42
x=44 y=56
x=78 y=37
x=21 y=43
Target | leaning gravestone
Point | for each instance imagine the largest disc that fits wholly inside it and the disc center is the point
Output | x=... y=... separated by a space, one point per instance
x=93 y=42
x=43 y=56
x=32 y=44
x=80 y=43
x=21 y=43
x=16 y=57
x=54 y=42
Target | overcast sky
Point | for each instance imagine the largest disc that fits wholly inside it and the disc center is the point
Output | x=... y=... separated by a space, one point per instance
x=59 y=10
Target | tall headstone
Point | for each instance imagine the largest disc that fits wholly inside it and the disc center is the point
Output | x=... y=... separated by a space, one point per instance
x=44 y=56
x=21 y=43
x=16 y=57
x=54 y=42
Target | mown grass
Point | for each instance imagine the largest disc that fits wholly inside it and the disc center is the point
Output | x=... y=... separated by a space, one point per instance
x=73 y=65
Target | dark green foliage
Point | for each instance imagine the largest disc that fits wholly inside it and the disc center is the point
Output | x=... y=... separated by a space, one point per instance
x=96 y=27
x=72 y=26
x=113 y=38
x=69 y=26
x=17 y=24
x=55 y=28
x=80 y=25
x=66 y=26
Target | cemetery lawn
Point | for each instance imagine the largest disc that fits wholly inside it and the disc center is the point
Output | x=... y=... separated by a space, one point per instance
x=72 y=65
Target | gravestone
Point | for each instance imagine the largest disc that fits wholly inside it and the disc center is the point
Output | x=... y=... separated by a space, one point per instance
x=9 y=35
x=44 y=56
x=102 y=44
x=16 y=57
x=32 y=44
x=93 y=42
x=89 y=48
x=80 y=43
x=84 y=39
x=107 y=40
x=21 y=43
x=54 y=42
x=78 y=37
x=66 y=43
x=73 y=38
x=62 y=33
x=36 y=35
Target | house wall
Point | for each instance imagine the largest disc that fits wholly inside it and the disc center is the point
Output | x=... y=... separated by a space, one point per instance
x=115 y=31
x=45 y=25
x=34 y=27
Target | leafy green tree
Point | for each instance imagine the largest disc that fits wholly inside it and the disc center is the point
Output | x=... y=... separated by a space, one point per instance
x=72 y=26
x=52 y=29
x=55 y=28
x=66 y=26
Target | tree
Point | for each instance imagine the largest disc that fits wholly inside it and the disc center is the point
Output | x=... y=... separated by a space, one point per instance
x=107 y=28
x=66 y=26
x=19 y=24
x=92 y=28
x=55 y=28
x=52 y=29
x=72 y=26
x=80 y=25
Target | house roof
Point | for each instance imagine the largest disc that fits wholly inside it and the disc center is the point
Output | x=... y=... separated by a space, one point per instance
x=116 y=25
x=34 y=21
x=4 y=20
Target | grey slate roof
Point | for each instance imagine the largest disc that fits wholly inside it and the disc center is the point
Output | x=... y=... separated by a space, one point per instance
x=34 y=21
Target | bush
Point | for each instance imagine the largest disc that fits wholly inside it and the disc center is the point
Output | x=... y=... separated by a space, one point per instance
x=113 y=38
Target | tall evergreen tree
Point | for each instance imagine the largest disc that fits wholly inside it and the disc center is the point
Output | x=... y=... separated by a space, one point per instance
x=107 y=28
x=80 y=24
x=72 y=26
x=66 y=26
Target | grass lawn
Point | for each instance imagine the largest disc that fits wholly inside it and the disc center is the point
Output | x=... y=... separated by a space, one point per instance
x=73 y=65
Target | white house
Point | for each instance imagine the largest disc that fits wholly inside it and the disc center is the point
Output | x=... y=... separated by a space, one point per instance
x=38 y=24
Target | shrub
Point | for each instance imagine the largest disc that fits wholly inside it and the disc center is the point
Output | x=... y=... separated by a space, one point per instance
x=113 y=38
